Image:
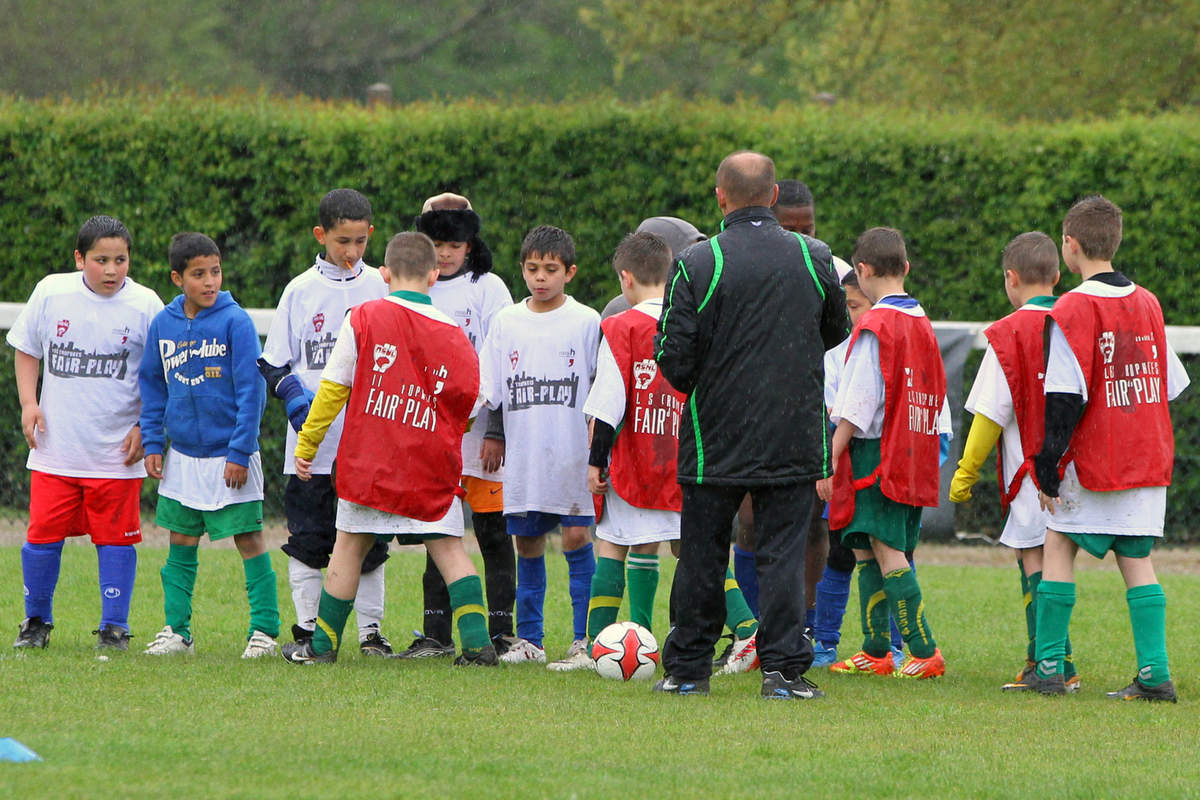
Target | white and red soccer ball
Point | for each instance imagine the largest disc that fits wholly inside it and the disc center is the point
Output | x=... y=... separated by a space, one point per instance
x=625 y=650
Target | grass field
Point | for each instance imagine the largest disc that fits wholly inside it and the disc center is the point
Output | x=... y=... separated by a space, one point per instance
x=215 y=726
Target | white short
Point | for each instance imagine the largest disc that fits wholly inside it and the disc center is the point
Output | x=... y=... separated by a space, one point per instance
x=199 y=483
x=353 y=518
x=1130 y=512
x=629 y=525
x=1026 y=524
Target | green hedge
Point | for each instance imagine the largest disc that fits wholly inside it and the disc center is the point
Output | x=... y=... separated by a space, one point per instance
x=250 y=170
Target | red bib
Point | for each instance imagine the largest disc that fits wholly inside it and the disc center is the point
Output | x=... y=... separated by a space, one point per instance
x=415 y=384
x=644 y=455
x=914 y=381
x=1124 y=439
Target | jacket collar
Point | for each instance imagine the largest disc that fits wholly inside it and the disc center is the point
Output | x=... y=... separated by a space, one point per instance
x=748 y=214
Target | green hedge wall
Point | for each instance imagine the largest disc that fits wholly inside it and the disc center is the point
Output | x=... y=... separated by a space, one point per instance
x=250 y=170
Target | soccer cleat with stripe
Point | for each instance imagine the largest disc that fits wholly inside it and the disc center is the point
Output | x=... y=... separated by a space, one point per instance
x=304 y=654
x=777 y=687
x=669 y=685
x=922 y=668
x=375 y=644
x=33 y=633
x=260 y=644
x=578 y=657
x=1137 y=690
x=426 y=647
x=743 y=658
x=167 y=642
x=862 y=663
x=523 y=652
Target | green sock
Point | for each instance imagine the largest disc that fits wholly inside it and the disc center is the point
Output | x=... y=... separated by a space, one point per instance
x=332 y=613
x=608 y=585
x=178 y=581
x=1031 y=587
x=738 y=616
x=260 y=589
x=1055 y=601
x=904 y=597
x=643 y=583
x=1148 y=613
x=872 y=602
x=470 y=615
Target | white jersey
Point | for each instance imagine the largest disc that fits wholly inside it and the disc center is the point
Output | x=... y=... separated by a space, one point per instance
x=91 y=351
x=835 y=360
x=473 y=304
x=539 y=368
x=303 y=332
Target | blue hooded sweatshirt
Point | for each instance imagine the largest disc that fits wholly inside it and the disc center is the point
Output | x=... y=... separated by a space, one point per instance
x=200 y=380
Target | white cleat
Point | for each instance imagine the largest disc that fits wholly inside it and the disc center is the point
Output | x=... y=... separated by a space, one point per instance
x=743 y=657
x=259 y=645
x=577 y=658
x=522 y=652
x=167 y=642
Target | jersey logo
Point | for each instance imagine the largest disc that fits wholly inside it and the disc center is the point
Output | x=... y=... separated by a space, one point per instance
x=123 y=332
x=318 y=322
x=513 y=358
x=569 y=355
x=1107 y=342
x=112 y=592
x=440 y=374
x=644 y=372
x=908 y=377
x=63 y=324
x=385 y=356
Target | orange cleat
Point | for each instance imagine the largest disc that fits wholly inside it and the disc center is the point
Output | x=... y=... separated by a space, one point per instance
x=921 y=668
x=862 y=663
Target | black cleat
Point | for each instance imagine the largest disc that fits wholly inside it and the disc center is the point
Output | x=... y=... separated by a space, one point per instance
x=669 y=685
x=33 y=633
x=502 y=642
x=376 y=645
x=486 y=657
x=1137 y=690
x=777 y=687
x=112 y=637
x=426 y=647
x=303 y=654
x=1031 y=682
x=301 y=635
x=720 y=661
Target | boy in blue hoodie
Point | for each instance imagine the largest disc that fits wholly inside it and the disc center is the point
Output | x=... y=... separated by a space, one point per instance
x=200 y=379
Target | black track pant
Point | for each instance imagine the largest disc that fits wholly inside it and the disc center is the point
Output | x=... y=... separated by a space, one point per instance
x=500 y=579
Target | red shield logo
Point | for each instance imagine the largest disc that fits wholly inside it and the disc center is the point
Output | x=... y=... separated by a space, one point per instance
x=63 y=324
x=318 y=322
x=514 y=357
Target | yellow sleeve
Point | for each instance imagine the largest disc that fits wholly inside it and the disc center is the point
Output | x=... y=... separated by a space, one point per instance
x=982 y=438
x=330 y=399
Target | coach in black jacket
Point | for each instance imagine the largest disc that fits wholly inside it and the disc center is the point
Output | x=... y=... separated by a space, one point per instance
x=747 y=319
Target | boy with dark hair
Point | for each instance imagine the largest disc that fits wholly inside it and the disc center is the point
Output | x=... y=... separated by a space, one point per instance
x=408 y=380
x=200 y=387
x=1108 y=448
x=537 y=365
x=794 y=208
x=889 y=409
x=88 y=331
x=1008 y=401
x=302 y=335
x=471 y=294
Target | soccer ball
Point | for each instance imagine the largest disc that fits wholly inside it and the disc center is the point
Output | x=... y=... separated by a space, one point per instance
x=625 y=650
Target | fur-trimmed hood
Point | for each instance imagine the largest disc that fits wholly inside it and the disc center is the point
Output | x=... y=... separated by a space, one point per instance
x=458 y=225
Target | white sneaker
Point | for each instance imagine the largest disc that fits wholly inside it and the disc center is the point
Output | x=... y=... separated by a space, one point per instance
x=168 y=642
x=577 y=657
x=743 y=657
x=524 y=651
x=259 y=645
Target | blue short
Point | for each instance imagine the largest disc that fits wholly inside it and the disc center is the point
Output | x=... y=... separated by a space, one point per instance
x=539 y=523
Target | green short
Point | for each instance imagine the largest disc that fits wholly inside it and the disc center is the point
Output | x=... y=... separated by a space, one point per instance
x=1098 y=544
x=220 y=524
x=877 y=516
x=409 y=538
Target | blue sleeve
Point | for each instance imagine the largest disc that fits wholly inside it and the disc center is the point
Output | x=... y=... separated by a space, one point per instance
x=249 y=389
x=943 y=448
x=153 y=385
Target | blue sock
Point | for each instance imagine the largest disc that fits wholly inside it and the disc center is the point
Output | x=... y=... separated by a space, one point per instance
x=581 y=566
x=118 y=567
x=746 y=576
x=833 y=593
x=531 y=598
x=39 y=564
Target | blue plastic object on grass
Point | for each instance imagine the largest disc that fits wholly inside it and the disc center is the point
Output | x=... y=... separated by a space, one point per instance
x=12 y=750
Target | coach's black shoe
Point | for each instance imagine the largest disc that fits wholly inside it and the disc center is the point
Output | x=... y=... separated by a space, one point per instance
x=486 y=657
x=376 y=645
x=304 y=654
x=720 y=661
x=777 y=687
x=112 y=637
x=33 y=633
x=1140 y=691
x=301 y=635
x=426 y=647
x=669 y=685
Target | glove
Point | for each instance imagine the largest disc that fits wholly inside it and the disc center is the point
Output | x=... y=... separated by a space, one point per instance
x=981 y=439
x=296 y=400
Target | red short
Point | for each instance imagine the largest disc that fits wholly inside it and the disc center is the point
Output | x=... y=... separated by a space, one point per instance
x=107 y=509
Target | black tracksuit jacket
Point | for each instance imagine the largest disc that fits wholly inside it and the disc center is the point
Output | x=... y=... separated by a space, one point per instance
x=745 y=325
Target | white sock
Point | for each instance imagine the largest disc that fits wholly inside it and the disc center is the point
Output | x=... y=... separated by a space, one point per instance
x=306 y=592
x=368 y=603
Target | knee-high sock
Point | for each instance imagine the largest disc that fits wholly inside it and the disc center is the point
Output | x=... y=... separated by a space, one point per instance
x=873 y=604
x=466 y=603
x=608 y=585
x=1029 y=600
x=531 y=598
x=904 y=598
x=178 y=582
x=747 y=577
x=40 y=564
x=1148 y=614
x=260 y=591
x=738 y=616
x=499 y=570
x=581 y=566
x=118 y=568
x=369 y=601
x=332 y=613
x=1055 y=601
x=833 y=593
x=306 y=592
x=437 y=622
x=643 y=584
x=897 y=636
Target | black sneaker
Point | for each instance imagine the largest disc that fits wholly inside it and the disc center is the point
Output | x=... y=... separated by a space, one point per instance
x=33 y=633
x=301 y=635
x=777 y=687
x=720 y=661
x=1140 y=691
x=112 y=637
x=303 y=654
x=487 y=657
x=1031 y=682
x=669 y=685
x=376 y=645
x=503 y=642
x=426 y=647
